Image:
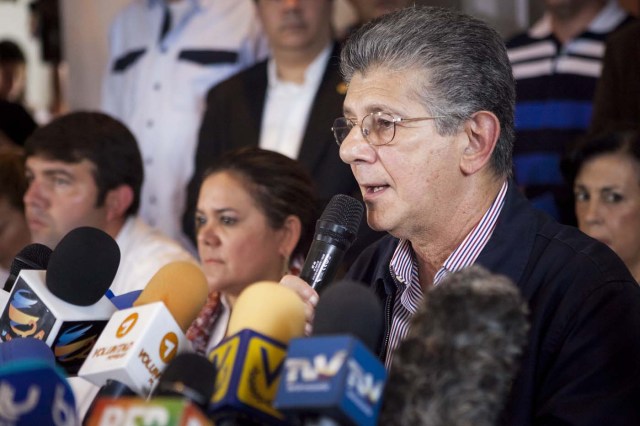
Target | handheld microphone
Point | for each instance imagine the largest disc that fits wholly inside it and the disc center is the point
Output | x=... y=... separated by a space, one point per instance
x=35 y=392
x=335 y=232
x=332 y=377
x=264 y=318
x=458 y=361
x=33 y=256
x=182 y=394
x=137 y=343
x=65 y=306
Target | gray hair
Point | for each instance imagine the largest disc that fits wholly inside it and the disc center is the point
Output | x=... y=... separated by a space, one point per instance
x=464 y=62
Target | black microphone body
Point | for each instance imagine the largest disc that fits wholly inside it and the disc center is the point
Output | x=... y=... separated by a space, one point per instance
x=33 y=256
x=335 y=232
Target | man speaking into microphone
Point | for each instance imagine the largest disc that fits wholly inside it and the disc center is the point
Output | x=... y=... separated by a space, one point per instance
x=427 y=129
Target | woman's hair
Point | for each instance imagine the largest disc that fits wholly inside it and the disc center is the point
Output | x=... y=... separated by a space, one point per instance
x=625 y=142
x=279 y=185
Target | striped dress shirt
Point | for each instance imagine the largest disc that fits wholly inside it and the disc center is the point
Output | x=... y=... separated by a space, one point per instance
x=404 y=270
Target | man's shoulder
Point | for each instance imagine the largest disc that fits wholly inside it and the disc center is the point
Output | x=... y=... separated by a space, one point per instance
x=563 y=259
x=144 y=242
x=255 y=75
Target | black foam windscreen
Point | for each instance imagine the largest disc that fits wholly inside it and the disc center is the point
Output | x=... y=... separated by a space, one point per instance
x=341 y=218
x=33 y=256
x=83 y=266
x=348 y=307
x=188 y=375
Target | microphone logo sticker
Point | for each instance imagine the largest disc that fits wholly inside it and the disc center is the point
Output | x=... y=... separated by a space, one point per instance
x=168 y=347
x=74 y=343
x=304 y=374
x=127 y=325
x=25 y=315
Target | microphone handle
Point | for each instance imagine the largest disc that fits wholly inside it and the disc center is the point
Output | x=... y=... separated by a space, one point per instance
x=8 y=284
x=322 y=263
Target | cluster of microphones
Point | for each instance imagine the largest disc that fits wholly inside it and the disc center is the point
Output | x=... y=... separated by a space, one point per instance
x=58 y=322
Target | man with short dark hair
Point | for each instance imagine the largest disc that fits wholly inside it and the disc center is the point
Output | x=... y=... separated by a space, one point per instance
x=85 y=169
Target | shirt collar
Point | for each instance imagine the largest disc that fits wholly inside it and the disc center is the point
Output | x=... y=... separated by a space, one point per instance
x=200 y=4
x=404 y=266
x=605 y=21
x=314 y=71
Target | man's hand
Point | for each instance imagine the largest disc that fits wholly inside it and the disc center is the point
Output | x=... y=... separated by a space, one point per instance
x=308 y=295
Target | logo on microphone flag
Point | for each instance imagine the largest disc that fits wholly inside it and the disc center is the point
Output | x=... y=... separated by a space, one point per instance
x=25 y=315
x=248 y=366
x=332 y=374
x=127 y=325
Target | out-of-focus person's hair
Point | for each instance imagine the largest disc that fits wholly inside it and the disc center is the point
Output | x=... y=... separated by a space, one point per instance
x=13 y=183
x=12 y=71
x=279 y=185
x=463 y=61
x=98 y=138
x=625 y=142
x=457 y=364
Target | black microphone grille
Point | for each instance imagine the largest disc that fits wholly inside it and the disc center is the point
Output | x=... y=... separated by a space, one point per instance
x=188 y=375
x=83 y=266
x=345 y=211
x=33 y=256
x=349 y=307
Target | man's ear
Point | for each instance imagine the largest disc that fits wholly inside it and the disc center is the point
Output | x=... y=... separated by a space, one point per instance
x=118 y=201
x=482 y=130
x=290 y=235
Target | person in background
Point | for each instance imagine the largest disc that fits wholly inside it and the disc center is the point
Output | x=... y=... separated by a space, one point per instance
x=427 y=128
x=13 y=72
x=16 y=123
x=85 y=169
x=14 y=232
x=604 y=171
x=617 y=100
x=556 y=64
x=368 y=10
x=164 y=57
x=254 y=222
x=284 y=104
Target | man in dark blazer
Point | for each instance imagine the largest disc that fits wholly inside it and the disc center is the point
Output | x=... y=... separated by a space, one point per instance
x=238 y=109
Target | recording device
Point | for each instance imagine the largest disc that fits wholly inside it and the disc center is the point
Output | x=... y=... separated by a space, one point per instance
x=180 y=398
x=65 y=306
x=138 y=343
x=34 y=392
x=458 y=361
x=33 y=256
x=332 y=377
x=25 y=349
x=265 y=317
x=335 y=232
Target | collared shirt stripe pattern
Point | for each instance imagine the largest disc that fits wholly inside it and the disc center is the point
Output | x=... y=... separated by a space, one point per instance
x=404 y=269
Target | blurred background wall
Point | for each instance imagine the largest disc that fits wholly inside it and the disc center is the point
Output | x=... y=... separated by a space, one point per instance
x=83 y=29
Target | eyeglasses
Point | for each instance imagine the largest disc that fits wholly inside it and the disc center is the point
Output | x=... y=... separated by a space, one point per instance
x=378 y=128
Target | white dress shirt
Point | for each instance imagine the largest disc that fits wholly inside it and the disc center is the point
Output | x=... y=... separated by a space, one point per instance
x=287 y=107
x=156 y=86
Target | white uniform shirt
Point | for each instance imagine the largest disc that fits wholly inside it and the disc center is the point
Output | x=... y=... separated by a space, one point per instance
x=287 y=107
x=143 y=250
x=157 y=87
